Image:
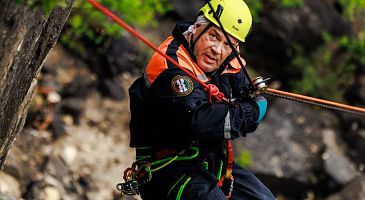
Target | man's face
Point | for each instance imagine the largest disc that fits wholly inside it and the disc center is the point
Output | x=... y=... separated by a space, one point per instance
x=212 y=48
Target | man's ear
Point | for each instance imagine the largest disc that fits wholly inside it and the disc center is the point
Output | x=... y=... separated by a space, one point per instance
x=196 y=26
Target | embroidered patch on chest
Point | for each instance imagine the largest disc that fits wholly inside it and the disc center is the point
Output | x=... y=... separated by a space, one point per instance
x=182 y=85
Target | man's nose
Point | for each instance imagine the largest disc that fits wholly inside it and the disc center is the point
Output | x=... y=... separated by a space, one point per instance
x=218 y=47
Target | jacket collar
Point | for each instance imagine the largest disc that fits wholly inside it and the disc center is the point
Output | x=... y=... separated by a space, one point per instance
x=177 y=33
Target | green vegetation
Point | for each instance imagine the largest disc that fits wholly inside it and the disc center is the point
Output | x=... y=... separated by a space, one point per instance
x=255 y=8
x=47 y=5
x=325 y=73
x=244 y=159
x=353 y=8
x=330 y=69
x=355 y=48
x=85 y=18
x=291 y=3
x=88 y=24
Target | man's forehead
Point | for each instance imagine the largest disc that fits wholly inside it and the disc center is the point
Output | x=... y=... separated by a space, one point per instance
x=220 y=32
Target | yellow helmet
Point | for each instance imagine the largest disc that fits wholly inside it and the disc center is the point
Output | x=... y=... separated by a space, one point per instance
x=234 y=15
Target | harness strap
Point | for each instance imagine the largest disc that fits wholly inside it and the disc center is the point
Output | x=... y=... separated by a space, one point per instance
x=164 y=157
x=228 y=175
x=230 y=158
x=192 y=43
x=164 y=153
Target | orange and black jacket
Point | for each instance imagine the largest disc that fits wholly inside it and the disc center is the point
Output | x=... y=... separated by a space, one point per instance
x=170 y=109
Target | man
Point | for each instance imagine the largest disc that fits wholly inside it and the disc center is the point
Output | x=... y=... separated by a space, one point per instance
x=179 y=133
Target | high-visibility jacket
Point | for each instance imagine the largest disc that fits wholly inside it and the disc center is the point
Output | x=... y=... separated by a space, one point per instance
x=170 y=109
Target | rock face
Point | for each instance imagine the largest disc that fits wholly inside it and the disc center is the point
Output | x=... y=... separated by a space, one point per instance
x=285 y=147
x=299 y=148
x=354 y=190
x=88 y=159
x=26 y=37
x=9 y=187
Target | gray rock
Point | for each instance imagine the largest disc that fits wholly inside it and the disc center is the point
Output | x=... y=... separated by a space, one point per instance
x=68 y=154
x=353 y=191
x=286 y=148
x=57 y=167
x=336 y=163
x=356 y=140
x=47 y=188
x=50 y=193
x=283 y=144
x=9 y=187
x=338 y=167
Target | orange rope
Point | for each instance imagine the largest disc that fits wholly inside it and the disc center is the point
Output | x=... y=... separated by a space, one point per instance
x=316 y=100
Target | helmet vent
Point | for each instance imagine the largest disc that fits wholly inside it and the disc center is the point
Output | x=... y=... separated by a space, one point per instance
x=219 y=11
x=239 y=21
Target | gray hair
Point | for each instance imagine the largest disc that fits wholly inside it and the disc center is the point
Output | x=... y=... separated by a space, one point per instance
x=201 y=20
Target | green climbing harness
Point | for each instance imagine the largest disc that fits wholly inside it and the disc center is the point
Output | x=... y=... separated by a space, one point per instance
x=141 y=171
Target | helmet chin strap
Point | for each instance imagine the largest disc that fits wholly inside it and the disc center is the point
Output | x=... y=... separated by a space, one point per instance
x=220 y=69
x=251 y=88
x=192 y=42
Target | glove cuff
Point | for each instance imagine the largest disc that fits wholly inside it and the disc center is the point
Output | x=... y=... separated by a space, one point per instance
x=262 y=106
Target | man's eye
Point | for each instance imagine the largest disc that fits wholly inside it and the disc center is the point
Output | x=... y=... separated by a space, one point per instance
x=226 y=46
x=212 y=36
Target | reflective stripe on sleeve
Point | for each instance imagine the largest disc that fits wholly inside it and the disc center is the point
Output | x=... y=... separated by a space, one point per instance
x=227 y=127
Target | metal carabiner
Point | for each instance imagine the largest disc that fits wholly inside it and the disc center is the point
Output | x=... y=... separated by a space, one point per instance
x=129 y=188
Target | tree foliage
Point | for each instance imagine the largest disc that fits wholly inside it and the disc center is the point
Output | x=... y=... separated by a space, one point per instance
x=87 y=23
x=85 y=18
x=47 y=5
x=257 y=6
x=330 y=69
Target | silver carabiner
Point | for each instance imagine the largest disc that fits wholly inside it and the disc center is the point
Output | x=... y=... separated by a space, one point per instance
x=129 y=188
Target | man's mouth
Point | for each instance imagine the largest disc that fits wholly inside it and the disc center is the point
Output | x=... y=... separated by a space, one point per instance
x=209 y=59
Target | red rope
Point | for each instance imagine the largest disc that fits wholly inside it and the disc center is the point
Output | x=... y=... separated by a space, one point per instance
x=228 y=175
x=212 y=92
